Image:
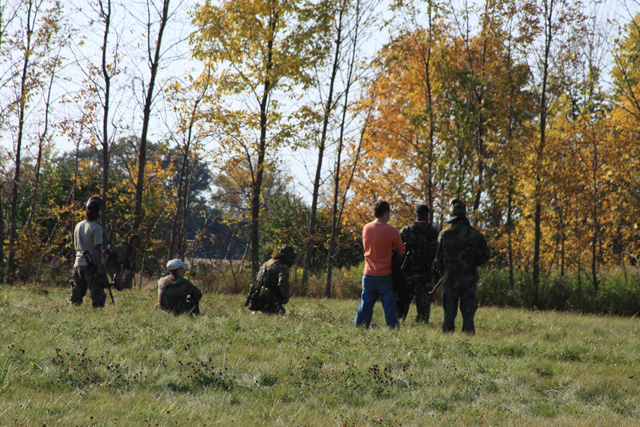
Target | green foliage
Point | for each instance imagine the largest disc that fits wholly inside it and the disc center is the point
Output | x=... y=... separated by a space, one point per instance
x=218 y=276
x=619 y=292
x=626 y=73
x=285 y=222
x=133 y=365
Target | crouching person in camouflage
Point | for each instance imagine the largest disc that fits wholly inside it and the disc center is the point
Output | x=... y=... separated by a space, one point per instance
x=177 y=294
x=270 y=292
x=121 y=260
x=460 y=250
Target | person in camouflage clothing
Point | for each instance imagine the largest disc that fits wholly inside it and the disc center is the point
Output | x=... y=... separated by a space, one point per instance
x=270 y=292
x=420 y=240
x=176 y=294
x=122 y=258
x=460 y=250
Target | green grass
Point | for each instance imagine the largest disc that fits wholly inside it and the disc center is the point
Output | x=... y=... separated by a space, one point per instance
x=133 y=365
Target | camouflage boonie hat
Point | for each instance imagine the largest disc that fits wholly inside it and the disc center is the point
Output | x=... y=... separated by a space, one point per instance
x=458 y=209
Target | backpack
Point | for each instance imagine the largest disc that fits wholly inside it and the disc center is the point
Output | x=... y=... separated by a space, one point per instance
x=255 y=301
x=260 y=294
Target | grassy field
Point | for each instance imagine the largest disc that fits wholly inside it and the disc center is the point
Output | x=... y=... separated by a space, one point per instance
x=130 y=365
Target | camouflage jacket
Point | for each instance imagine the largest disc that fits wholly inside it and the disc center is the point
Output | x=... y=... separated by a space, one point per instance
x=274 y=275
x=461 y=249
x=420 y=240
x=174 y=292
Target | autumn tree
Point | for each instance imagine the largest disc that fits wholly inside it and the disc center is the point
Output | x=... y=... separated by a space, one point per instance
x=30 y=62
x=394 y=152
x=350 y=20
x=439 y=105
x=186 y=98
x=624 y=178
x=96 y=97
x=424 y=36
x=232 y=195
x=359 y=24
x=554 y=24
x=157 y=18
x=325 y=116
x=626 y=79
x=260 y=52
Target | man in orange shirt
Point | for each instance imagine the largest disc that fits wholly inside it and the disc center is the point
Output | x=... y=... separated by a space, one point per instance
x=379 y=240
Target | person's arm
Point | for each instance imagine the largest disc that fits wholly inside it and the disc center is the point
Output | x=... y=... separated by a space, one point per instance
x=283 y=285
x=194 y=292
x=483 y=253
x=439 y=263
x=160 y=287
x=404 y=234
x=432 y=242
x=398 y=245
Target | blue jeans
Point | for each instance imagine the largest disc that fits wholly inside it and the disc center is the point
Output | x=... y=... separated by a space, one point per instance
x=374 y=287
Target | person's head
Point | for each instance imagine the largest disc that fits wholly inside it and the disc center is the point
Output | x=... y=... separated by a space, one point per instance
x=135 y=241
x=287 y=254
x=93 y=208
x=422 y=212
x=381 y=208
x=177 y=267
x=458 y=209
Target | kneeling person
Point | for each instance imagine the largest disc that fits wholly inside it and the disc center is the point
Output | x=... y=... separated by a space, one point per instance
x=271 y=290
x=177 y=294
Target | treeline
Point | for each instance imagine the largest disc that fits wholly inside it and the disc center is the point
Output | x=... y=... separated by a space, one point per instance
x=534 y=122
x=178 y=115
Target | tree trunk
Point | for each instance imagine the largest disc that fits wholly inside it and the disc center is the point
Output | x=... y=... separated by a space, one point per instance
x=2 y=236
x=540 y=153
x=186 y=202
x=596 y=224
x=262 y=147
x=41 y=140
x=106 y=16
x=510 y=232
x=22 y=101
x=179 y=215
x=328 y=109
x=336 y=210
x=146 y=117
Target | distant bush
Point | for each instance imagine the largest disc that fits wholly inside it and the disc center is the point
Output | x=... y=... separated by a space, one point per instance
x=618 y=291
x=221 y=277
x=218 y=277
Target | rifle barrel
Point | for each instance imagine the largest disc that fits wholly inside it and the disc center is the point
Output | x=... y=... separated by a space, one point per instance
x=436 y=286
x=111 y=295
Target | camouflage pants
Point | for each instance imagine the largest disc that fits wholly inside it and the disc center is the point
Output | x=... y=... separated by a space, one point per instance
x=468 y=298
x=423 y=300
x=420 y=287
x=126 y=276
x=274 y=307
x=180 y=304
x=86 y=278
